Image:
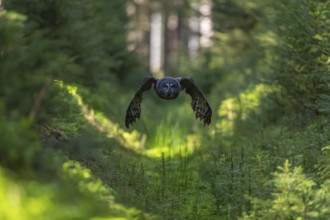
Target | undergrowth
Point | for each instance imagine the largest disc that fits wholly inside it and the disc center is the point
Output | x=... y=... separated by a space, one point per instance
x=64 y=150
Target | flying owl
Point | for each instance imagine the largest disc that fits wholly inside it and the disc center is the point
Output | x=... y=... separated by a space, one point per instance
x=169 y=88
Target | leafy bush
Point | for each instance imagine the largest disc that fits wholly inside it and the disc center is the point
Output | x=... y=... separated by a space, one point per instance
x=302 y=65
x=20 y=145
x=295 y=196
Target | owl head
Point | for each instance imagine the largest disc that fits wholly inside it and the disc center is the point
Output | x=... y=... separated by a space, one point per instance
x=168 y=88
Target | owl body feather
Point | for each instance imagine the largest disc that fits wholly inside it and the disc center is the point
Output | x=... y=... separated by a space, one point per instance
x=169 y=88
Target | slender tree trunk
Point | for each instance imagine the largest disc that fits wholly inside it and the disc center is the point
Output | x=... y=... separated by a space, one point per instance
x=166 y=42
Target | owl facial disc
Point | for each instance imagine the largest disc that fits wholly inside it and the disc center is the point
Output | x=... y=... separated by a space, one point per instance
x=168 y=88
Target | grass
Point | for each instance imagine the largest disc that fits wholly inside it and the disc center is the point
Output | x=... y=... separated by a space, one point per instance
x=181 y=174
x=170 y=167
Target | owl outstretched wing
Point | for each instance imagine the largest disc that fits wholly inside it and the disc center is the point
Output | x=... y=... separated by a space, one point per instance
x=134 y=108
x=199 y=104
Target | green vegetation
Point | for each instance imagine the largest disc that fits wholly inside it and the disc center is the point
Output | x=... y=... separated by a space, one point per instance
x=66 y=79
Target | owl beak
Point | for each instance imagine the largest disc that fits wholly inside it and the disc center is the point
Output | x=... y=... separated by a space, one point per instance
x=169 y=86
x=169 y=93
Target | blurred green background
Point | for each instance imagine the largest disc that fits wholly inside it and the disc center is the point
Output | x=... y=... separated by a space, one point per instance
x=68 y=70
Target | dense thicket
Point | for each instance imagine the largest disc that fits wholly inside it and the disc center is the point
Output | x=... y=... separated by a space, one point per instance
x=66 y=77
x=274 y=65
x=45 y=45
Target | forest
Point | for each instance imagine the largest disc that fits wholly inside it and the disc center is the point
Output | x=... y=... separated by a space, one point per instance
x=69 y=70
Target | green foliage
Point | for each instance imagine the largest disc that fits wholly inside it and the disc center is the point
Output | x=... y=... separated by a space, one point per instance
x=240 y=162
x=266 y=77
x=250 y=108
x=324 y=163
x=13 y=83
x=232 y=15
x=62 y=40
x=17 y=137
x=78 y=196
x=302 y=65
x=295 y=196
x=11 y=25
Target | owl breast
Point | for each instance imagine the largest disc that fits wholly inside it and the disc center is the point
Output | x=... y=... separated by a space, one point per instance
x=167 y=88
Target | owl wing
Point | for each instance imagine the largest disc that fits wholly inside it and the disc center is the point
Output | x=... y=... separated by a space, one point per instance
x=134 y=108
x=199 y=104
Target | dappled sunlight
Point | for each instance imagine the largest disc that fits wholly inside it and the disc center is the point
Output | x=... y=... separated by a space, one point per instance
x=17 y=203
x=75 y=172
x=86 y=197
x=240 y=108
x=227 y=115
x=131 y=140
x=268 y=38
x=172 y=136
x=16 y=17
x=174 y=146
x=71 y=71
x=169 y=139
x=87 y=183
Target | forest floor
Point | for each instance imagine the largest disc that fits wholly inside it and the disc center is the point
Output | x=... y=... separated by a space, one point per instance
x=168 y=166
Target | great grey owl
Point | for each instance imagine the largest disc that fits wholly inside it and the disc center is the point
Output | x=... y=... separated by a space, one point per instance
x=169 y=88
